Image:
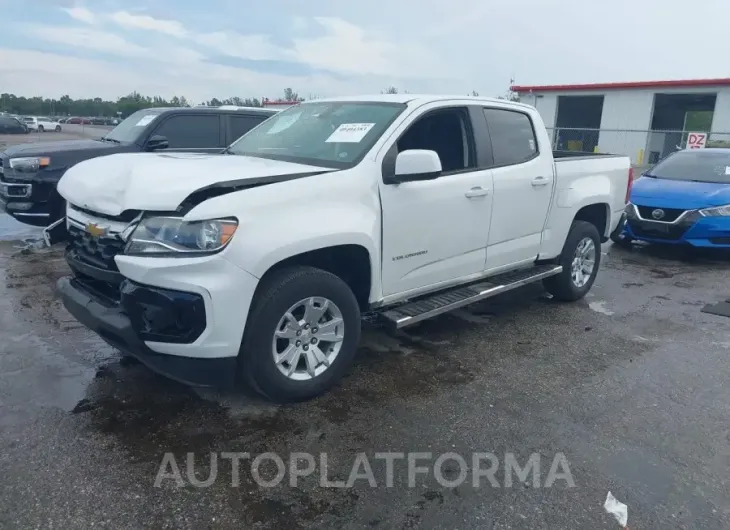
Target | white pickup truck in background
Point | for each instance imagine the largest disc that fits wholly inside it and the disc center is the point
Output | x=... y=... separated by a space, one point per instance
x=256 y=264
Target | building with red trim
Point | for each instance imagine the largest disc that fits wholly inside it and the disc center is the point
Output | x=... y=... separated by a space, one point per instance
x=644 y=119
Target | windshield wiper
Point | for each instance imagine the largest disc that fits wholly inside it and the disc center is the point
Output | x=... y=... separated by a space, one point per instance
x=107 y=139
x=649 y=175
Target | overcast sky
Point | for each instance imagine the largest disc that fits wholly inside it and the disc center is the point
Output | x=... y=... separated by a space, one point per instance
x=222 y=48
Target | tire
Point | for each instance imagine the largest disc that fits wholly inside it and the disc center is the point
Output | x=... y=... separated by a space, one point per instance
x=58 y=128
x=40 y=128
x=619 y=238
x=277 y=295
x=563 y=286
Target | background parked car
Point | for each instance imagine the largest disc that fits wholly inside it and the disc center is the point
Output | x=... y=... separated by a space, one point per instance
x=12 y=125
x=33 y=170
x=41 y=124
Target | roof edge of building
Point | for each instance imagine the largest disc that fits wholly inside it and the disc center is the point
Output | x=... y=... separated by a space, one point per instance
x=684 y=83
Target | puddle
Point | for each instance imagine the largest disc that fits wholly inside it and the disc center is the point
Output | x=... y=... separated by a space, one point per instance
x=12 y=230
x=599 y=306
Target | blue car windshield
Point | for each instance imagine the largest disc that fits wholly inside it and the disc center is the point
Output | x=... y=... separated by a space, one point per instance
x=699 y=165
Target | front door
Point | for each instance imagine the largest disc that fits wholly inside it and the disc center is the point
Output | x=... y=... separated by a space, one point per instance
x=523 y=188
x=436 y=231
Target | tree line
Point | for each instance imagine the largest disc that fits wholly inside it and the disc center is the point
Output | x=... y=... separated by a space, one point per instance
x=123 y=106
x=126 y=105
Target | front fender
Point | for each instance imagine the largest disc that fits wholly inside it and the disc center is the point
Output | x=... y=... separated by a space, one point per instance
x=282 y=220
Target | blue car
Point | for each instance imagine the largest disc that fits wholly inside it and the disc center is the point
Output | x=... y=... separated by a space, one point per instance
x=684 y=199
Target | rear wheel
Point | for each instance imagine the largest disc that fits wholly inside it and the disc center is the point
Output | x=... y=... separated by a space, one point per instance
x=58 y=128
x=40 y=128
x=302 y=334
x=580 y=259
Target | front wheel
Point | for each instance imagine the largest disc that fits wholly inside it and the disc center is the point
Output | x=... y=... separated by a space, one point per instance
x=40 y=128
x=580 y=259
x=301 y=335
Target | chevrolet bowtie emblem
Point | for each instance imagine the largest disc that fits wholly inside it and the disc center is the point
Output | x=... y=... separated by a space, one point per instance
x=95 y=230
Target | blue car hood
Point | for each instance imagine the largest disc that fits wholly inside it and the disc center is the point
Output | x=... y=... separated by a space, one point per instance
x=680 y=194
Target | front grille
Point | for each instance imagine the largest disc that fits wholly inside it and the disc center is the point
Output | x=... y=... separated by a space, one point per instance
x=670 y=214
x=651 y=230
x=98 y=252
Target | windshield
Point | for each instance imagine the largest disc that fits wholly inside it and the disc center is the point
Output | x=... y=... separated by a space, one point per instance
x=329 y=134
x=701 y=165
x=129 y=130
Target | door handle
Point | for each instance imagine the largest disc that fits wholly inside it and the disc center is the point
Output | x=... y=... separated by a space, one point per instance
x=477 y=191
x=540 y=181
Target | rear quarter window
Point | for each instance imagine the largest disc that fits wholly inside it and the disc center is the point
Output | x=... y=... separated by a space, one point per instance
x=513 y=136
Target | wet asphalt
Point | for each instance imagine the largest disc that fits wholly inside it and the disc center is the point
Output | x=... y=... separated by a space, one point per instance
x=630 y=385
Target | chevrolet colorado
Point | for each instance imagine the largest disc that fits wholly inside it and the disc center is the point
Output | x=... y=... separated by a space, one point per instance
x=255 y=265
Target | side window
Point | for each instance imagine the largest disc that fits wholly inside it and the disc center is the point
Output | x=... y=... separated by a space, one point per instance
x=448 y=132
x=191 y=132
x=240 y=125
x=513 y=137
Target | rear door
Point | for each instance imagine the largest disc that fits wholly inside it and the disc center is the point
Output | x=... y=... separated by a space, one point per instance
x=192 y=132
x=523 y=188
x=239 y=124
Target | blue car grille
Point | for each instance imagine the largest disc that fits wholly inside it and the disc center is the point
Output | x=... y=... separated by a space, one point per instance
x=670 y=214
x=651 y=230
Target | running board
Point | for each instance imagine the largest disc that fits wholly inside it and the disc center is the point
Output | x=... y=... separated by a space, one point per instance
x=444 y=301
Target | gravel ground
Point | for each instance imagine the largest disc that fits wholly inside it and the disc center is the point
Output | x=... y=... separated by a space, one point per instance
x=630 y=385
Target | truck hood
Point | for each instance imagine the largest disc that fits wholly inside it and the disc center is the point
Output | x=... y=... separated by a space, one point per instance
x=680 y=194
x=162 y=181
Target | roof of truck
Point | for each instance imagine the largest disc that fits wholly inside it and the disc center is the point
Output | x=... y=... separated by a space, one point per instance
x=420 y=98
x=212 y=110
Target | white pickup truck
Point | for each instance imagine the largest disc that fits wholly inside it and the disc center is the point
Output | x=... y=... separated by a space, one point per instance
x=255 y=265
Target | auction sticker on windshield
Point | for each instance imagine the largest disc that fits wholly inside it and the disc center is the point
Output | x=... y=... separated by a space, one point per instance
x=350 y=132
x=146 y=120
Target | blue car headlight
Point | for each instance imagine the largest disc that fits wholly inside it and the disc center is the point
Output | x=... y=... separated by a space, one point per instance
x=717 y=211
x=166 y=236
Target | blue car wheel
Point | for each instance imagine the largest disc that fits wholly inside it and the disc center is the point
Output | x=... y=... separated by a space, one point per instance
x=619 y=235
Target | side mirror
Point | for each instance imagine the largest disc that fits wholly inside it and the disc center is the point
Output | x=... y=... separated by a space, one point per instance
x=417 y=164
x=156 y=142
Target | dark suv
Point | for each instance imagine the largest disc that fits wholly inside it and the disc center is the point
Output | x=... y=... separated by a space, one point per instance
x=29 y=173
x=12 y=125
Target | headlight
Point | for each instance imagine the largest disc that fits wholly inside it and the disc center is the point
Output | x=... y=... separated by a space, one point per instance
x=29 y=165
x=718 y=211
x=172 y=235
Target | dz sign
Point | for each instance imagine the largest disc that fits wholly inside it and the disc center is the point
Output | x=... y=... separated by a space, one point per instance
x=696 y=140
